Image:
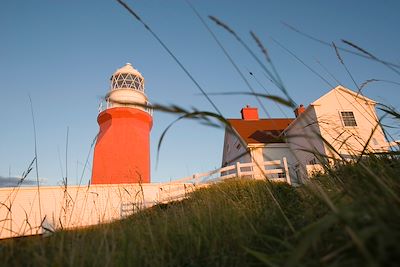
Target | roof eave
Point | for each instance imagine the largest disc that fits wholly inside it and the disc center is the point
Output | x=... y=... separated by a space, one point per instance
x=299 y=117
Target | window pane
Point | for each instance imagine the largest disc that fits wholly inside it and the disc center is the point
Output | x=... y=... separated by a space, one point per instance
x=348 y=118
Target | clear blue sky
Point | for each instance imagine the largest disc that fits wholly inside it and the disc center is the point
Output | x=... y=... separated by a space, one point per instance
x=62 y=53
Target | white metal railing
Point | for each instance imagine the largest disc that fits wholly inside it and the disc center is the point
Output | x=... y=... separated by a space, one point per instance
x=106 y=104
x=276 y=170
x=148 y=108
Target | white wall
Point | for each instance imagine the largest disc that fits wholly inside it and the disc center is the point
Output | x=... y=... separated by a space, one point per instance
x=233 y=150
x=79 y=206
x=346 y=139
x=304 y=141
x=323 y=117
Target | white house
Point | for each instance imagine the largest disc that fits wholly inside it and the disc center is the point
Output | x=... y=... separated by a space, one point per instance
x=339 y=125
x=256 y=140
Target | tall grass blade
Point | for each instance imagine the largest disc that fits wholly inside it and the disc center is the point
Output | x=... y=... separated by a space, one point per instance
x=136 y=16
x=36 y=157
x=275 y=98
x=390 y=110
x=327 y=71
x=369 y=81
x=308 y=36
x=371 y=55
x=197 y=115
x=345 y=67
x=267 y=57
x=267 y=71
x=261 y=257
x=267 y=93
x=226 y=52
x=303 y=63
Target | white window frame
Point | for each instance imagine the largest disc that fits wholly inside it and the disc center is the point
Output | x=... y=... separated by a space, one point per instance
x=343 y=121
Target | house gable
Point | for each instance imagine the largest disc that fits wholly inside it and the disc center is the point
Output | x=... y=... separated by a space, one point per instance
x=343 y=90
x=339 y=122
x=348 y=121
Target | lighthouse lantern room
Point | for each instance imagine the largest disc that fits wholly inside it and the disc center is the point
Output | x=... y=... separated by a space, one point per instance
x=122 y=151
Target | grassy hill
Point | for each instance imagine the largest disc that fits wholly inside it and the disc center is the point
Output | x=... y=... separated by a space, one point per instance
x=348 y=217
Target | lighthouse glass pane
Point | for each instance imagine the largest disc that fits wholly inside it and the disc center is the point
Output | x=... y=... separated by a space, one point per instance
x=127 y=80
x=137 y=85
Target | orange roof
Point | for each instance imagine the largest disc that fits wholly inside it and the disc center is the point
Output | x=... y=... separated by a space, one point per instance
x=262 y=131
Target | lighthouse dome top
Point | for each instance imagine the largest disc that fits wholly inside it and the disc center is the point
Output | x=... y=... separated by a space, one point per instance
x=127 y=77
x=128 y=69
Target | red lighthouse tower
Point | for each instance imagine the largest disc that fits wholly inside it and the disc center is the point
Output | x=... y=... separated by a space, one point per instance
x=122 y=151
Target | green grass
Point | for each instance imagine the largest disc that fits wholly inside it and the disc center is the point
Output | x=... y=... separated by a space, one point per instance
x=348 y=217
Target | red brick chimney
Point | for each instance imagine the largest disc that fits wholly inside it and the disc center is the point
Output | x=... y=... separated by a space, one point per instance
x=249 y=113
x=300 y=109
